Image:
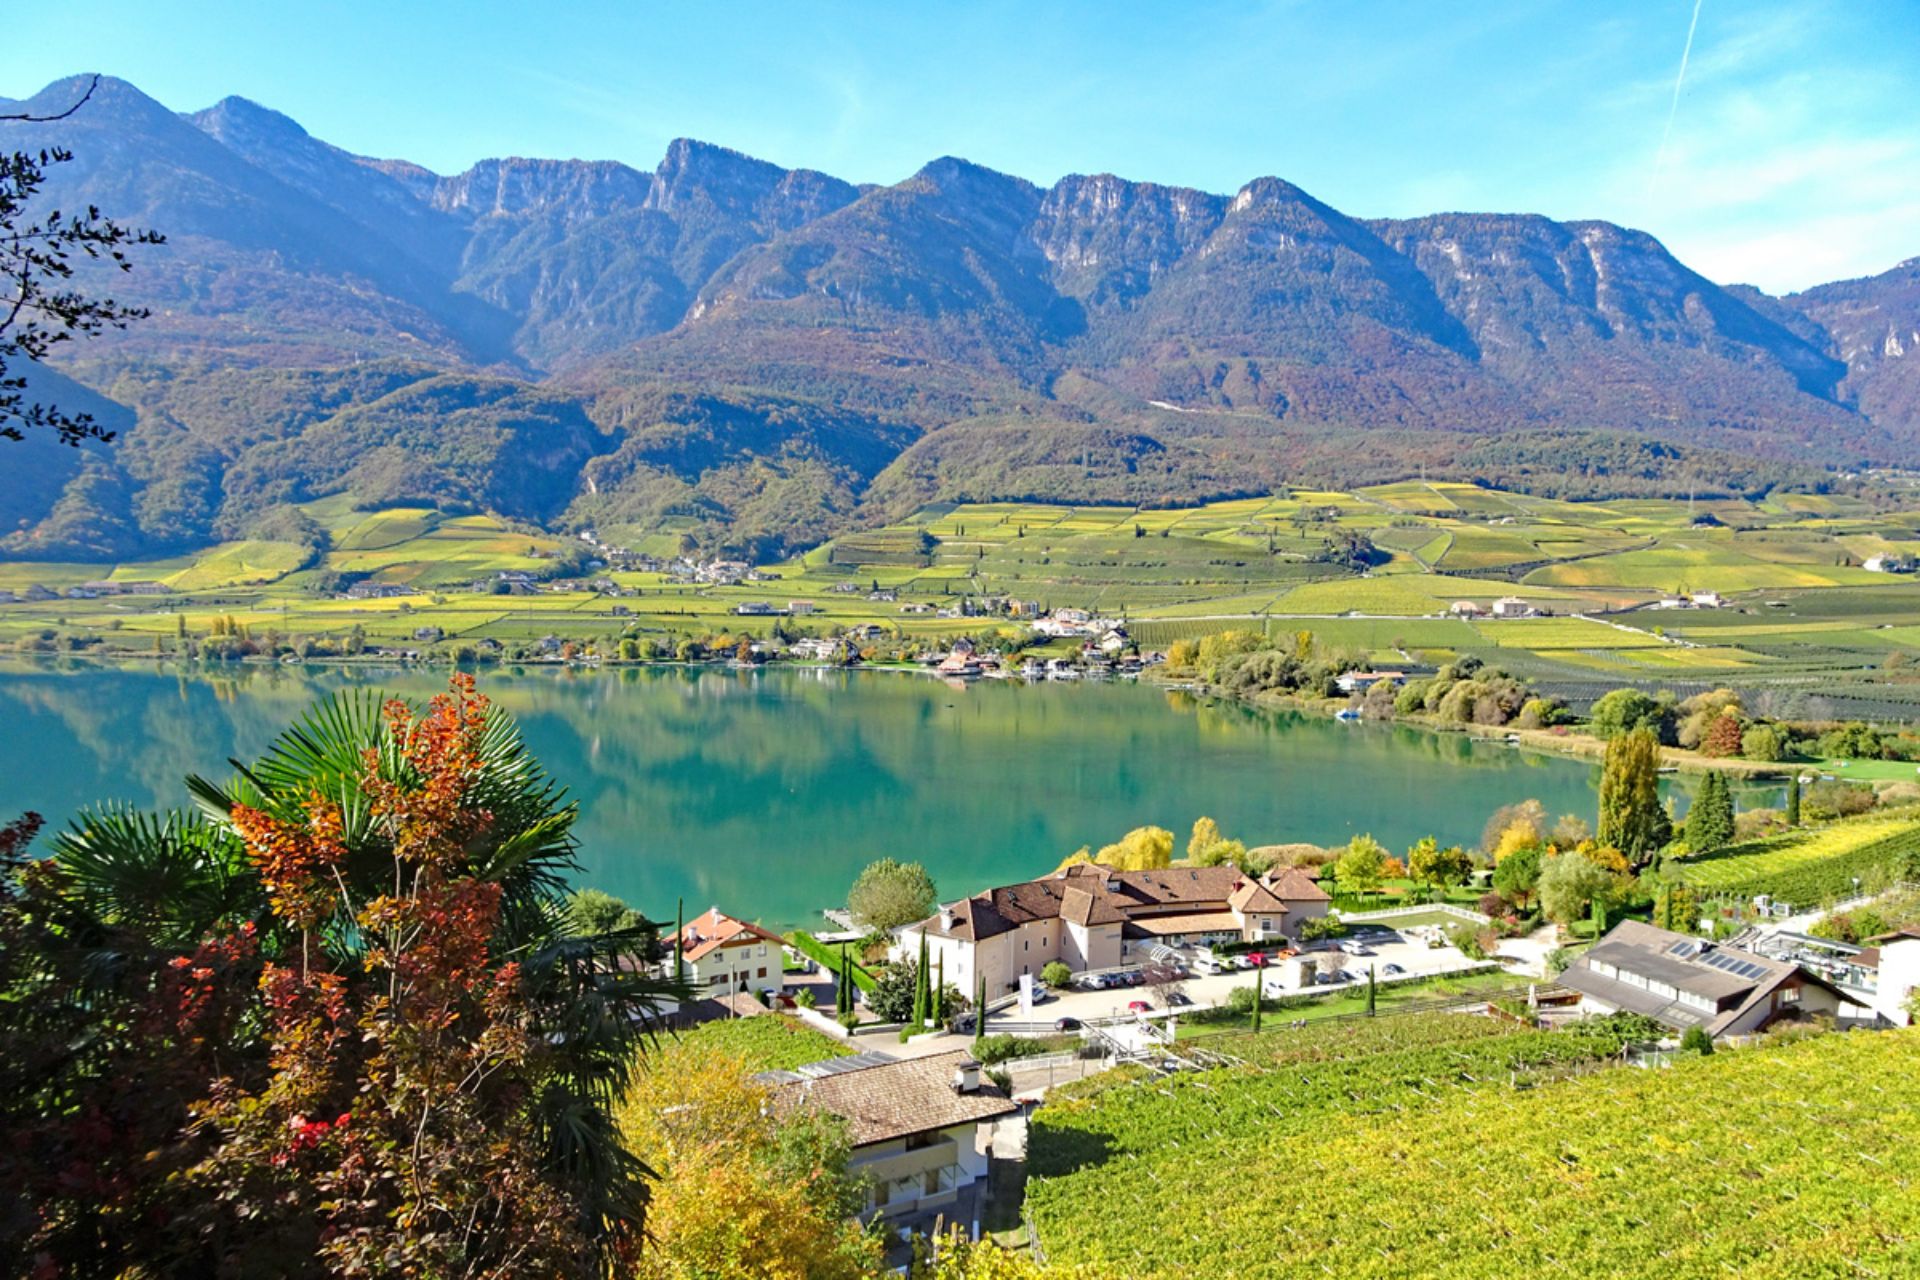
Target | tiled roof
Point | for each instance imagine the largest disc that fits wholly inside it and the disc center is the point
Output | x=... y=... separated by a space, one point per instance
x=893 y=1100
x=1090 y=894
x=711 y=929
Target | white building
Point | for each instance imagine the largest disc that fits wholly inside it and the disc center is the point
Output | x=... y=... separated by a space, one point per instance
x=719 y=955
x=1092 y=917
x=1707 y=599
x=1899 y=974
x=1684 y=982
x=921 y=1129
x=1512 y=607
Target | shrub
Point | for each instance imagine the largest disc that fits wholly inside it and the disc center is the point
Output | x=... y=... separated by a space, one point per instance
x=1696 y=1040
x=1835 y=798
x=1056 y=974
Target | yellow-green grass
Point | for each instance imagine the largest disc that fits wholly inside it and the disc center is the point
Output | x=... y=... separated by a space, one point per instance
x=1696 y=567
x=1564 y=633
x=1480 y=548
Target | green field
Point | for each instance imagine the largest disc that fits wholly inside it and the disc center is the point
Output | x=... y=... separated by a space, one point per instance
x=1800 y=609
x=767 y=1042
x=1387 y=1151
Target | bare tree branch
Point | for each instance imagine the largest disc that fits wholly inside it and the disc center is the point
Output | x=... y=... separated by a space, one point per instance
x=26 y=118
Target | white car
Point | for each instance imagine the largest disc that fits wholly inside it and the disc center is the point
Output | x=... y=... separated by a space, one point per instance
x=1354 y=949
x=1207 y=966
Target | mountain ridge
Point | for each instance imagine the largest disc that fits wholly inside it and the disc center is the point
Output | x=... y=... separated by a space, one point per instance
x=764 y=356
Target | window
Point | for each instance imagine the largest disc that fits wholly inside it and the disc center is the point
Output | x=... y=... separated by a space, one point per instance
x=717 y=980
x=1266 y=926
x=921 y=1141
x=1788 y=995
x=763 y=951
x=761 y=972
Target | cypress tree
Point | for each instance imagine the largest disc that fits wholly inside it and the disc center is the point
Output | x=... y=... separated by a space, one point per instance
x=1793 y=800
x=940 y=990
x=920 y=987
x=1258 y=995
x=1372 y=987
x=980 y=1014
x=679 y=930
x=843 y=985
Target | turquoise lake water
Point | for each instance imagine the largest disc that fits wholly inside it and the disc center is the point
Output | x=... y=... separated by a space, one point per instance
x=765 y=792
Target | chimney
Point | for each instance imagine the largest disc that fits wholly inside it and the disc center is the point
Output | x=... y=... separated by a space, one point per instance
x=946 y=919
x=966 y=1076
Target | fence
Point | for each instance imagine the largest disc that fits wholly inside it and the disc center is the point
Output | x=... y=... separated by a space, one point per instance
x=1390 y=914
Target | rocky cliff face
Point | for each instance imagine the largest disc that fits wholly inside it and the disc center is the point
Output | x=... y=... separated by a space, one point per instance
x=721 y=329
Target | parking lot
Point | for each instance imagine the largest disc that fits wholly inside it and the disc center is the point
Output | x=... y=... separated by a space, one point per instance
x=1413 y=957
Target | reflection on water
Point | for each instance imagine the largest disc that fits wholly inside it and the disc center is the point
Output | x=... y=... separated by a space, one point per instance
x=765 y=792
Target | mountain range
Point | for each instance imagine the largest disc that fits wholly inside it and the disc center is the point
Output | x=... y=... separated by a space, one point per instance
x=760 y=357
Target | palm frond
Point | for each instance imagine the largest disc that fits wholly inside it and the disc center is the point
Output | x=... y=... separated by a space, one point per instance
x=172 y=877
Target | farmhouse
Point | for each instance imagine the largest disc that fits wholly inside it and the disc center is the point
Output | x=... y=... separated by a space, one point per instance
x=1465 y=609
x=1092 y=917
x=1512 y=607
x=721 y=955
x=921 y=1129
x=1684 y=982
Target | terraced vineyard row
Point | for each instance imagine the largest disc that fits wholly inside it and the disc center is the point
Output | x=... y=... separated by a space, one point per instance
x=1790 y=1160
x=1807 y=867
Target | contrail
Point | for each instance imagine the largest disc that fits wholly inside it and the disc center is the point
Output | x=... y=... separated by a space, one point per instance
x=1673 y=108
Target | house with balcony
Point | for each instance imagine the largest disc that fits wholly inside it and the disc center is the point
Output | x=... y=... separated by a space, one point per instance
x=921 y=1129
x=1092 y=917
x=721 y=955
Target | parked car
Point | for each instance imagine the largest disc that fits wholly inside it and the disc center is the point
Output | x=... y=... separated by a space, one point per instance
x=1352 y=975
x=1066 y=1024
x=963 y=1025
x=1178 y=1000
x=1354 y=949
x=1208 y=967
x=1139 y=1006
x=1243 y=962
x=1393 y=970
x=1089 y=981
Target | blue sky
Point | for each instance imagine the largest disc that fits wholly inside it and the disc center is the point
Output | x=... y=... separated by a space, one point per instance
x=1793 y=155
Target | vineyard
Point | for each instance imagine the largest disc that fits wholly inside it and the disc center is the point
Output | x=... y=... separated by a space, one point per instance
x=1806 y=867
x=1787 y=1160
x=767 y=1042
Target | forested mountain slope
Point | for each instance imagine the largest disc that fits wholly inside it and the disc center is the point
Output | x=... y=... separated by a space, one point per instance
x=768 y=355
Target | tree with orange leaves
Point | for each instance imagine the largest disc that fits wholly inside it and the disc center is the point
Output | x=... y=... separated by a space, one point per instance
x=357 y=1029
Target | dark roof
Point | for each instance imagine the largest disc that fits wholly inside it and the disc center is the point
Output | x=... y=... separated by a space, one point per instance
x=1731 y=979
x=890 y=1099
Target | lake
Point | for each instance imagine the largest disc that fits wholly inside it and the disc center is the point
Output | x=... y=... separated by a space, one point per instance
x=765 y=792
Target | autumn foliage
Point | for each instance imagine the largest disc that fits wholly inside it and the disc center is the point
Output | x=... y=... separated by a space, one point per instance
x=358 y=1075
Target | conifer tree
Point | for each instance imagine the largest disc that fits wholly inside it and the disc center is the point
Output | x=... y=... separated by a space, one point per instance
x=1373 y=985
x=1709 y=822
x=1793 y=800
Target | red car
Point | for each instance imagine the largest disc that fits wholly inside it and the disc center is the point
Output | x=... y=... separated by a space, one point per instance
x=1138 y=1006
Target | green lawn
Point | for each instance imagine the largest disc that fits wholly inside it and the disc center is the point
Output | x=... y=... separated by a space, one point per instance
x=1389 y=996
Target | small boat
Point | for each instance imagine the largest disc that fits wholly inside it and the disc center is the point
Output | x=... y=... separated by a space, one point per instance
x=1346 y=713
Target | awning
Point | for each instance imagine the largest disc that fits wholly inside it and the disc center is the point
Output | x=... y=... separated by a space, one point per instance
x=1167 y=926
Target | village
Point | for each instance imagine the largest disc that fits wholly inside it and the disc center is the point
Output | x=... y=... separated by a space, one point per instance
x=1091 y=969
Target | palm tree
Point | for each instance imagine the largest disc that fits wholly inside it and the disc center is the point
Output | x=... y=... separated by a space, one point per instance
x=169 y=880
